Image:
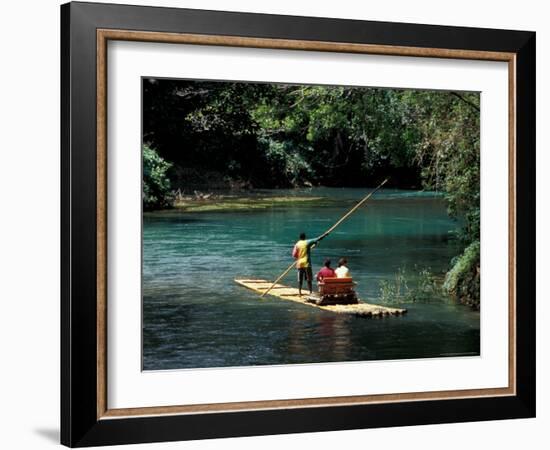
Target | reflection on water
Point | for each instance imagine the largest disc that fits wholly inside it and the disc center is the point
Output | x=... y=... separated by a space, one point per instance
x=194 y=315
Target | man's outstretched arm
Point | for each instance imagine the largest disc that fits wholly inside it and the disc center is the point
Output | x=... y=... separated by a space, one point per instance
x=314 y=241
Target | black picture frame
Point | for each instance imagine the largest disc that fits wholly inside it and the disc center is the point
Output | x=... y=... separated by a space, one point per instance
x=80 y=425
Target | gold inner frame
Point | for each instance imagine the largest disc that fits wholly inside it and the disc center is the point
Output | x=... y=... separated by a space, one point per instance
x=104 y=35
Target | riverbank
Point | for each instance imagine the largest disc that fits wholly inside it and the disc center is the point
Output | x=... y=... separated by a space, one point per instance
x=209 y=202
x=243 y=200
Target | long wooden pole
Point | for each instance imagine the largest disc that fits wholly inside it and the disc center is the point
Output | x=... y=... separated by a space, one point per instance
x=330 y=230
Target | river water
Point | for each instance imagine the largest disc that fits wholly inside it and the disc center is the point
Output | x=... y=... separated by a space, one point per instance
x=194 y=315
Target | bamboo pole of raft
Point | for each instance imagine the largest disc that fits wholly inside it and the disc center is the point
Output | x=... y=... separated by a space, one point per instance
x=326 y=233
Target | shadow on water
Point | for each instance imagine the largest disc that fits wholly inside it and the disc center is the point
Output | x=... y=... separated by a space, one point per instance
x=172 y=217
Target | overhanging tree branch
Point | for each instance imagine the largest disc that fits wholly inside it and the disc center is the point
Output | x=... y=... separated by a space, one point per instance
x=473 y=105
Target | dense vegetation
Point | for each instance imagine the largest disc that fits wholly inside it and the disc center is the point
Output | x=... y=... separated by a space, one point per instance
x=156 y=184
x=218 y=135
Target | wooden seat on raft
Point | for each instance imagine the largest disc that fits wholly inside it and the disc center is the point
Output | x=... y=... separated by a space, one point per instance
x=335 y=291
x=336 y=286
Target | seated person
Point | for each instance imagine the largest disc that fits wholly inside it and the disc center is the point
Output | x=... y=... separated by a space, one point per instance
x=326 y=271
x=342 y=270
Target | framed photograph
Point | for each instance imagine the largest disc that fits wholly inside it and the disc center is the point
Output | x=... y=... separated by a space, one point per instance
x=277 y=224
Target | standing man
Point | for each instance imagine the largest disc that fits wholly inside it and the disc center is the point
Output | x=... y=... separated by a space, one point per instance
x=302 y=254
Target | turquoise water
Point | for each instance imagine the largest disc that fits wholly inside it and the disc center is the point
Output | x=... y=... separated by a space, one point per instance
x=194 y=315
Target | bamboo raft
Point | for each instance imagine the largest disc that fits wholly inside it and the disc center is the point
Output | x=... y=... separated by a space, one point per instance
x=289 y=293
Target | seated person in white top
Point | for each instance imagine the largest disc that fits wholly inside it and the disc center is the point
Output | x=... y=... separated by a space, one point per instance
x=342 y=270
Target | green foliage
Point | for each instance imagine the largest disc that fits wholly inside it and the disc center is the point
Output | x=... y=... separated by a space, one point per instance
x=272 y=135
x=462 y=281
x=411 y=287
x=156 y=185
x=348 y=136
x=448 y=151
x=396 y=290
x=287 y=163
